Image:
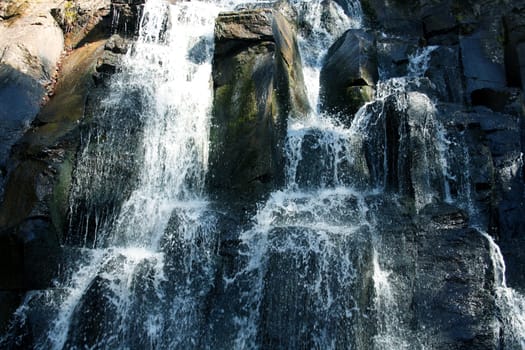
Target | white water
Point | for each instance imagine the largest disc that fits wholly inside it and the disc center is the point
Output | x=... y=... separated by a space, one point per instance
x=510 y=303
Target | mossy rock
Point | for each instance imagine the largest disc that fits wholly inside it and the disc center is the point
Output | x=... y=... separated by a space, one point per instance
x=258 y=84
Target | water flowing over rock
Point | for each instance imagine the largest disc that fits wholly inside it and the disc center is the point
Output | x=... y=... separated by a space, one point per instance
x=292 y=174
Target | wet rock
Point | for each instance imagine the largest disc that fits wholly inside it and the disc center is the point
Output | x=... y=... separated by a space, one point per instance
x=88 y=320
x=445 y=73
x=393 y=55
x=257 y=83
x=349 y=74
x=302 y=286
x=127 y=15
x=108 y=63
x=9 y=301
x=440 y=277
x=117 y=44
x=452 y=296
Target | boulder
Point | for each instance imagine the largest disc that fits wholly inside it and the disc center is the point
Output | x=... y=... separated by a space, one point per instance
x=80 y=17
x=258 y=84
x=31 y=43
x=349 y=74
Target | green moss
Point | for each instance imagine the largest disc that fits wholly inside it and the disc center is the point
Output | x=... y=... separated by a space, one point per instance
x=70 y=15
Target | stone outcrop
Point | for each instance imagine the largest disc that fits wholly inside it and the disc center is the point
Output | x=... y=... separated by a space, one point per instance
x=349 y=74
x=31 y=44
x=258 y=84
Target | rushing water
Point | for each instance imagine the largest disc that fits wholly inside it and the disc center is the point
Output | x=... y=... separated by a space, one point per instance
x=313 y=271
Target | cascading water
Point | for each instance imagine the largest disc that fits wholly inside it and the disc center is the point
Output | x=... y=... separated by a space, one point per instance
x=142 y=268
x=308 y=252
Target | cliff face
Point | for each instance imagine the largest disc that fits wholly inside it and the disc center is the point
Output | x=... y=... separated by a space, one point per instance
x=54 y=57
x=358 y=222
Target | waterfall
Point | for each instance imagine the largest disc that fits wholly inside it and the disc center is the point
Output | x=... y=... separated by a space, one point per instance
x=311 y=269
x=510 y=303
x=139 y=271
x=163 y=214
x=308 y=251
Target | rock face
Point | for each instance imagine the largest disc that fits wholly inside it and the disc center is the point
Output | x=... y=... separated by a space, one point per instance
x=449 y=297
x=38 y=172
x=31 y=43
x=258 y=84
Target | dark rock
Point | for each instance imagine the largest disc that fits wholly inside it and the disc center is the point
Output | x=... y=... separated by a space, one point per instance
x=302 y=286
x=9 y=302
x=479 y=69
x=521 y=59
x=393 y=17
x=20 y=97
x=108 y=63
x=393 y=55
x=438 y=20
x=349 y=74
x=34 y=208
x=445 y=73
x=514 y=48
x=440 y=277
x=400 y=144
x=452 y=295
x=12 y=262
x=117 y=44
x=257 y=83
